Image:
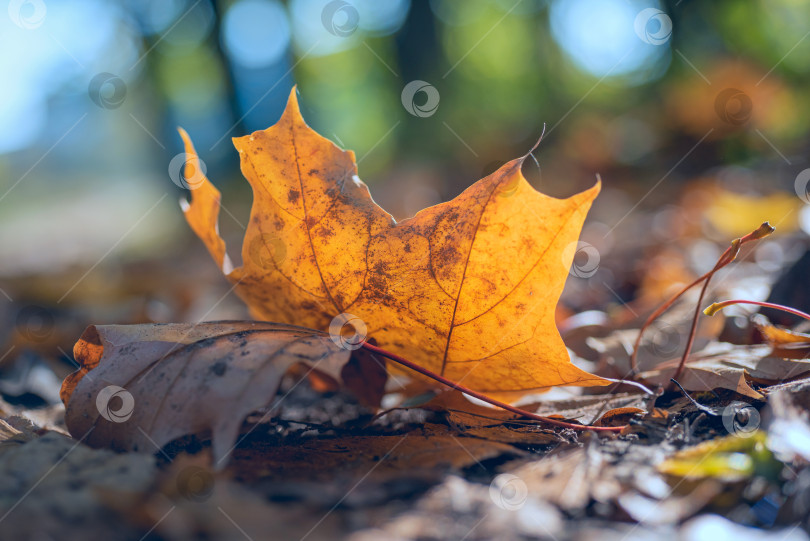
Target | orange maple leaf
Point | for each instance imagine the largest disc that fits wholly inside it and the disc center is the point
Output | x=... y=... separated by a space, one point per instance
x=466 y=288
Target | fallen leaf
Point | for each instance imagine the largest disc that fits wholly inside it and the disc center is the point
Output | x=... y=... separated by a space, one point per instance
x=15 y=431
x=726 y=366
x=663 y=340
x=777 y=336
x=571 y=478
x=465 y=288
x=587 y=409
x=619 y=416
x=785 y=342
x=141 y=386
x=731 y=458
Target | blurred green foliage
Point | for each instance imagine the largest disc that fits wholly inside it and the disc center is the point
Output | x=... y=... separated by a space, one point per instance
x=624 y=88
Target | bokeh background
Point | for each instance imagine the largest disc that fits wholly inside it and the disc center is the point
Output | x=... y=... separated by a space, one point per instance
x=694 y=115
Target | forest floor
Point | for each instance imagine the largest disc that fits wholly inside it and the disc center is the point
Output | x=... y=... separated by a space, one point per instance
x=721 y=462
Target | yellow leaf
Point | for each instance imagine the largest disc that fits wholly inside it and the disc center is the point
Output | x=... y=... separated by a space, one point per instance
x=730 y=458
x=466 y=288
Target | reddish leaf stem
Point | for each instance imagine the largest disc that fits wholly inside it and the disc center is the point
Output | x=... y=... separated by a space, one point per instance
x=725 y=258
x=716 y=307
x=728 y=256
x=692 y=330
x=485 y=398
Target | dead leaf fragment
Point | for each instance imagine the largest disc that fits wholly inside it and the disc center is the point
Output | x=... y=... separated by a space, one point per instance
x=141 y=386
x=785 y=342
x=618 y=416
x=466 y=288
x=778 y=336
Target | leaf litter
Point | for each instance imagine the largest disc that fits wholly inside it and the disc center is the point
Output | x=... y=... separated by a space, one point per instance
x=334 y=448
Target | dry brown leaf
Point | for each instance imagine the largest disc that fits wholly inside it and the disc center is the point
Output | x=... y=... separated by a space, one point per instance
x=504 y=426
x=466 y=288
x=16 y=431
x=619 y=416
x=724 y=366
x=141 y=386
x=587 y=408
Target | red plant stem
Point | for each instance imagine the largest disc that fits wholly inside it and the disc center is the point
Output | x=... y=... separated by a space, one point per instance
x=720 y=305
x=485 y=398
x=730 y=254
x=721 y=262
x=725 y=258
x=692 y=331
x=655 y=315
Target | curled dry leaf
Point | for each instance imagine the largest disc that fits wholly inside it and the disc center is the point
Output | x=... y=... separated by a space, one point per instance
x=467 y=288
x=619 y=416
x=141 y=386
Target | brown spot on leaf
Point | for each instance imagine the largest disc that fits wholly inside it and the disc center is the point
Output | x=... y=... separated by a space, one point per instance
x=219 y=368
